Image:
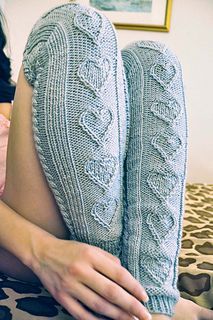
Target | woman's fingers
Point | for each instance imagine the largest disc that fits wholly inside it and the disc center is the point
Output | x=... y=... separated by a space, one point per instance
x=78 y=273
x=110 y=256
x=74 y=307
x=116 y=295
x=121 y=276
x=98 y=304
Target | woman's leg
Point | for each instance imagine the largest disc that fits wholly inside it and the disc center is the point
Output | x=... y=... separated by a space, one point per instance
x=73 y=64
x=78 y=108
x=79 y=119
x=155 y=171
x=26 y=189
x=75 y=274
x=188 y=310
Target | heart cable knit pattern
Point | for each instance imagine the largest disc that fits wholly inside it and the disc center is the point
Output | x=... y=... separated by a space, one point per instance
x=161 y=218
x=103 y=211
x=96 y=123
x=155 y=171
x=79 y=119
x=102 y=170
x=167 y=143
x=91 y=23
x=85 y=122
x=164 y=72
x=94 y=73
x=166 y=109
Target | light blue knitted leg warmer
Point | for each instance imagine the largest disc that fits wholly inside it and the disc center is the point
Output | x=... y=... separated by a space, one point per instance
x=155 y=171
x=79 y=119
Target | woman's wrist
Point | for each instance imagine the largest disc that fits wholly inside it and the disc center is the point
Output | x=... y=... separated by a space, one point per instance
x=39 y=246
x=21 y=237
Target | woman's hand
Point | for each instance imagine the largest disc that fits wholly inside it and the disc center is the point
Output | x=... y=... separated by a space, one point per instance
x=188 y=310
x=79 y=276
x=83 y=278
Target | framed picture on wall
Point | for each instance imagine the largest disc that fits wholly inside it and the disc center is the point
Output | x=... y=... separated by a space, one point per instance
x=150 y=15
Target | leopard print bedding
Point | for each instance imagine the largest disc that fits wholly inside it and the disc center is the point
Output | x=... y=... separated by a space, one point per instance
x=22 y=301
x=196 y=257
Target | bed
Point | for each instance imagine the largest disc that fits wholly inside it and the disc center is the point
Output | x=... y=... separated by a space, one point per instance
x=22 y=301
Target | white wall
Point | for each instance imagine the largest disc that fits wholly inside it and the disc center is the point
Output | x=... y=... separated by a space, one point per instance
x=21 y=15
x=190 y=37
x=2 y=4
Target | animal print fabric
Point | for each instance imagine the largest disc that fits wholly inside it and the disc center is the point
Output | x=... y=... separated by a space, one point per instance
x=22 y=301
x=196 y=257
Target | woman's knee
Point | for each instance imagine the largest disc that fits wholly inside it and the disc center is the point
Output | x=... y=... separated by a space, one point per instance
x=79 y=115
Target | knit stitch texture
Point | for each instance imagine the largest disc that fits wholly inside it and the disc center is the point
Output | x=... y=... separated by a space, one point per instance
x=81 y=124
x=79 y=119
x=155 y=171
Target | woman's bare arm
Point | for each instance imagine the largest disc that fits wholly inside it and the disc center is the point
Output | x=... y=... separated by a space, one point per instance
x=18 y=237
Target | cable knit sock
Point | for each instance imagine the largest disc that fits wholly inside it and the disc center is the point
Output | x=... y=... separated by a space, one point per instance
x=79 y=119
x=155 y=171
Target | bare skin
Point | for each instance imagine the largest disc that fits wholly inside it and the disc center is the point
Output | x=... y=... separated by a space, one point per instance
x=5 y=109
x=71 y=271
x=188 y=310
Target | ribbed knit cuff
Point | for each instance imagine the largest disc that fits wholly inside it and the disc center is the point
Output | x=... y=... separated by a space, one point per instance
x=161 y=304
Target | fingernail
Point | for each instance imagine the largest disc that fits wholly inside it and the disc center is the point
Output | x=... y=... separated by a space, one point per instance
x=145 y=297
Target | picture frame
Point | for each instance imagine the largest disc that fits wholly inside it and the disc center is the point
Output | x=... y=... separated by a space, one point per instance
x=156 y=15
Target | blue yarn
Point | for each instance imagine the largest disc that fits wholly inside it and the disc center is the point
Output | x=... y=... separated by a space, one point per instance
x=155 y=171
x=85 y=122
x=79 y=119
